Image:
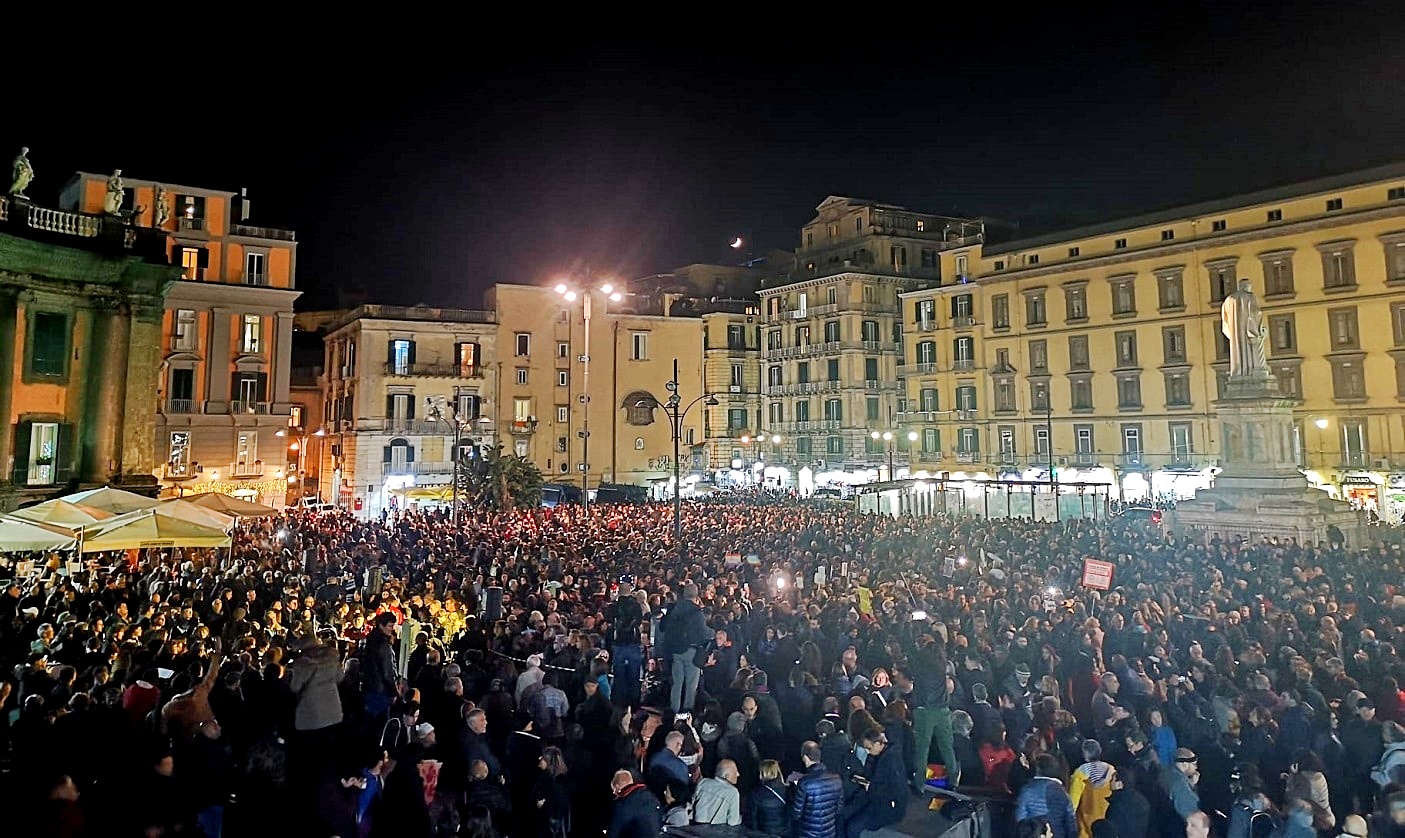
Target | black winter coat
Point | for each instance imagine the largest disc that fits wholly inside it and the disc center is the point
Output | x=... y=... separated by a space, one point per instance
x=815 y=811
x=769 y=810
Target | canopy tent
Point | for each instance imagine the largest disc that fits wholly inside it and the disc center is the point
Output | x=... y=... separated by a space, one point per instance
x=230 y=505
x=147 y=528
x=17 y=536
x=62 y=513
x=425 y=493
x=111 y=500
x=191 y=513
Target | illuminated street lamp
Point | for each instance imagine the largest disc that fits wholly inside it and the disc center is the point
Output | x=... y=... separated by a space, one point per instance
x=570 y=293
x=677 y=412
x=298 y=444
x=760 y=438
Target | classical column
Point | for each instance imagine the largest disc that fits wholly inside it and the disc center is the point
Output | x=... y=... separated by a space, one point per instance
x=112 y=339
x=139 y=451
x=8 y=310
x=282 y=361
x=217 y=360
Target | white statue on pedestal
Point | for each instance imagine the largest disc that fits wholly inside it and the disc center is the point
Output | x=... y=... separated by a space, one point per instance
x=1242 y=322
x=23 y=174
x=113 y=200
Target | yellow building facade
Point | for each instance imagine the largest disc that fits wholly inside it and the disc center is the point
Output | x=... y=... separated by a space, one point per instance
x=1099 y=350
x=226 y=336
x=564 y=402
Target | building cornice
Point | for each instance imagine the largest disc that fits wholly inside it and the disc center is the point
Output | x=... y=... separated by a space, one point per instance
x=225 y=293
x=830 y=279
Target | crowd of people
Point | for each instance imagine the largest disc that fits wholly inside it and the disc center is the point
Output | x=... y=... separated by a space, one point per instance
x=799 y=670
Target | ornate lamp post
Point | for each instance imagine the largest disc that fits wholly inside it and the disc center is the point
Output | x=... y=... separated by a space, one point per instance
x=570 y=294
x=676 y=416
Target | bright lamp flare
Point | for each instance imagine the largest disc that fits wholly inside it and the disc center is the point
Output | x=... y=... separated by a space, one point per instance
x=560 y=287
x=737 y=243
x=607 y=288
x=616 y=297
x=570 y=296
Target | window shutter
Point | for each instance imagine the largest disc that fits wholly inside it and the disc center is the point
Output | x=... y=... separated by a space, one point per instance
x=410 y=454
x=234 y=386
x=412 y=353
x=385 y=454
x=410 y=405
x=390 y=407
x=23 y=431
x=261 y=388
x=390 y=352
x=64 y=454
x=477 y=355
x=204 y=257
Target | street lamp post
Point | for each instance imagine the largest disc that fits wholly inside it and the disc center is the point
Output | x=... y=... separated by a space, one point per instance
x=438 y=411
x=299 y=444
x=760 y=439
x=570 y=294
x=676 y=416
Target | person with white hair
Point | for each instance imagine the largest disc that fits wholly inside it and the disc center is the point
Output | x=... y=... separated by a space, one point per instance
x=529 y=681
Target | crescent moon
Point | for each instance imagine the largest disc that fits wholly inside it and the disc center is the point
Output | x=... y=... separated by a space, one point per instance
x=737 y=242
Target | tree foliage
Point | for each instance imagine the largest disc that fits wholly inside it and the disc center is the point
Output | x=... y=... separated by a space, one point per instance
x=505 y=481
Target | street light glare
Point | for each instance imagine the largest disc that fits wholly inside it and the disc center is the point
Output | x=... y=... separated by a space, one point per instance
x=570 y=296
x=746 y=438
x=873 y=435
x=1321 y=424
x=912 y=436
x=888 y=436
x=616 y=297
x=776 y=439
x=607 y=288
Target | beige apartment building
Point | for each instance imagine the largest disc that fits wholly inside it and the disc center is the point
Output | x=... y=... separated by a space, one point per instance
x=402 y=385
x=1099 y=349
x=831 y=352
x=226 y=336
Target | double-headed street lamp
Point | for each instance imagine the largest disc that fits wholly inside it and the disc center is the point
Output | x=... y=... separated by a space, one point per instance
x=299 y=445
x=760 y=438
x=888 y=438
x=677 y=412
x=439 y=410
x=570 y=294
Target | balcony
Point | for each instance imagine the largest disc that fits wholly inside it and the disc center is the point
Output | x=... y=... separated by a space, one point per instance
x=254 y=469
x=963 y=322
x=968 y=456
x=239 y=406
x=808 y=426
x=874 y=385
x=1131 y=460
x=963 y=365
x=434 y=370
x=927 y=325
x=417 y=468
x=177 y=471
x=180 y=406
x=190 y=223
x=395 y=425
x=928 y=456
x=523 y=426
x=808 y=388
x=880 y=346
x=1083 y=459
x=926 y=367
x=262 y=232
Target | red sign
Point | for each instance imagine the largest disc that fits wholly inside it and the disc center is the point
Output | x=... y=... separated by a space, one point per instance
x=1097 y=574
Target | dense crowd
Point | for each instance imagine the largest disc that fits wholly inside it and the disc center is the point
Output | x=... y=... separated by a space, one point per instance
x=801 y=670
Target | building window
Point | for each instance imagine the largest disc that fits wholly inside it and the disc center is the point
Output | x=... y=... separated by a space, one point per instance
x=736 y=337
x=1000 y=311
x=178 y=455
x=638 y=346
x=869 y=294
x=1035 y=313
x=802 y=410
x=1275 y=215
x=1219 y=225
x=1126 y=343
x=834 y=410
x=802 y=372
x=1078 y=352
x=927 y=354
x=1033 y=259
x=1076 y=302
x=1080 y=394
x=872 y=408
x=1278 y=273
x=773 y=375
x=563 y=413
x=736 y=419
x=563 y=378
x=1290 y=380
x=250 y=336
x=524 y=344
x=776 y=413
x=966 y=398
x=931 y=440
x=1173 y=344
x=1167 y=235
x=802 y=445
x=921 y=225
x=1170 y=291
x=1124 y=296
x=1342 y=322
x=961 y=263
x=1041 y=443
x=774 y=340
x=1177 y=389
x=1083 y=443
x=834 y=445
x=1119 y=244
x=1334 y=204
x=963 y=353
x=1222 y=282
x=927 y=400
x=925 y=312
x=898 y=254
x=1181 y=446
x=869 y=330
x=737 y=378
x=48 y=346
x=246 y=449
x=521 y=373
x=181 y=396
x=802 y=336
x=255 y=272
x=999 y=264
x=1129 y=392
x=1132 y=443
x=831 y=331
x=193 y=262
x=1283 y=334
x=1395 y=193
x=1348 y=381
x=832 y=368
x=1397 y=322
x=870 y=369
x=563 y=349
x=1004 y=395
x=1039 y=396
x=1039 y=356
x=1073 y=251
x=469 y=359
x=1394 y=257
x=1005 y=435
x=968 y=441
x=1338 y=265
x=1355 y=448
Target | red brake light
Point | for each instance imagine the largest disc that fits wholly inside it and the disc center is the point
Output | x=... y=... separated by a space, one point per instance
x=1156 y=517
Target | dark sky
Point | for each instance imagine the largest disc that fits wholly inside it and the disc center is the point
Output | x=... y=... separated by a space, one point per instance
x=427 y=174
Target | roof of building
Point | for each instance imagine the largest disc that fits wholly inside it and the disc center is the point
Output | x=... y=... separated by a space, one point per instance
x=1289 y=191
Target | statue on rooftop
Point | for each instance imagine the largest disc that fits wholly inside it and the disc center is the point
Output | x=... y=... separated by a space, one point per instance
x=163 y=207
x=23 y=174
x=116 y=195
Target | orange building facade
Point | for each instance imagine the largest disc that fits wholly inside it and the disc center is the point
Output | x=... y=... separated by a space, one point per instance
x=225 y=337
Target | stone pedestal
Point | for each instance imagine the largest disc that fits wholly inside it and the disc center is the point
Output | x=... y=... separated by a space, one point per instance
x=1259 y=491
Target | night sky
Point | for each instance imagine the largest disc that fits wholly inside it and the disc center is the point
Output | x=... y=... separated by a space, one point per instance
x=429 y=175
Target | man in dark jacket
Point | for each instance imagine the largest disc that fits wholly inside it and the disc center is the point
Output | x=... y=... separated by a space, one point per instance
x=378 y=668
x=637 y=812
x=685 y=631
x=883 y=799
x=626 y=654
x=1128 y=808
x=815 y=809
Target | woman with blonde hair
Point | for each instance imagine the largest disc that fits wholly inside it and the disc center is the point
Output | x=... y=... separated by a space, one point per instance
x=768 y=804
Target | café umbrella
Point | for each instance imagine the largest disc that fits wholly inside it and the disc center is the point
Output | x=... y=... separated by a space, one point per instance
x=19 y=536
x=146 y=528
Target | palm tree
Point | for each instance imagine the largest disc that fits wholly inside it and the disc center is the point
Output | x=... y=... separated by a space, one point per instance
x=505 y=481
